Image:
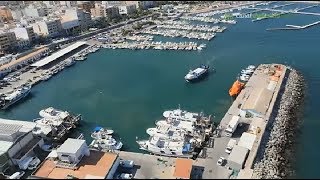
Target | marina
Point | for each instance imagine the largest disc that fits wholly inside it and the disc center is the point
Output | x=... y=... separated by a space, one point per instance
x=188 y=46
x=111 y=98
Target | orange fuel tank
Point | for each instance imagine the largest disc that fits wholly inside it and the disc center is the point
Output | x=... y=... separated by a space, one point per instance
x=236 y=88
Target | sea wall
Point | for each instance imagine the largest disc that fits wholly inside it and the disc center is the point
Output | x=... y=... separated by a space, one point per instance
x=275 y=157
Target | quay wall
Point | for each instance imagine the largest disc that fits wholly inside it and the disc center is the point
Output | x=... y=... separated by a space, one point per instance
x=275 y=157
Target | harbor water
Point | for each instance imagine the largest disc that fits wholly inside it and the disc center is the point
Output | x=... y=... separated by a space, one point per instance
x=128 y=90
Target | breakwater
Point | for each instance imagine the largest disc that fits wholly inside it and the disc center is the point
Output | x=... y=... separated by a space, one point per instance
x=275 y=157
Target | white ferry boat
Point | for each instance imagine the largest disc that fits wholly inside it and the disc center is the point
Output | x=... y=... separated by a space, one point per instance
x=14 y=96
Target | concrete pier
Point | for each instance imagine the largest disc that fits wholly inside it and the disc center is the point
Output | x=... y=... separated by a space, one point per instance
x=150 y=166
x=295 y=27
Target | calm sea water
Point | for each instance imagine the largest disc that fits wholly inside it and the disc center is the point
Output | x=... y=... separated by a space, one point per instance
x=129 y=90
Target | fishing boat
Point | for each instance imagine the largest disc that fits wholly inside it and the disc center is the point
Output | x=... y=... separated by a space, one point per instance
x=52 y=113
x=166 y=132
x=197 y=74
x=181 y=115
x=103 y=140
x=242 y=79
x=103 y=131
x=164 y=147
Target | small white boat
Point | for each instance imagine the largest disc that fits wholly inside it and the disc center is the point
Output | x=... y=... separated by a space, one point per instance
x=102 y=140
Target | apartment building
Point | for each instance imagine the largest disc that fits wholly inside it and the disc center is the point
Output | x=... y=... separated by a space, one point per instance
x=111 y=12
x=76 y=18
x=35 y=11
x=17 y=14
x=5 y=14
x=68 y=4
x=127 y=9
x=141 y=4
x=25 y=35
x=85 y=5
x=47 y=27
x=7 y=40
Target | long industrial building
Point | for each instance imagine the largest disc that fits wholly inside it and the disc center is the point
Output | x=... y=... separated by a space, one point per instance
x=60 y=55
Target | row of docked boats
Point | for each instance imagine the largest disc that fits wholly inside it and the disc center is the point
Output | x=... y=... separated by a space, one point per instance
x=81 y=56
x=56 y=123
x=242 y=79
x=190 y=27
x=178 y=134
x=180 y=33
x=156 y=45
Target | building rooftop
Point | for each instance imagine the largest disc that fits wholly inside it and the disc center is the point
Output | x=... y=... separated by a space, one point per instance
x=183 y=168
x=258 y=100
x=9 y=127
x=96 y=165
x=238 y=154
x=247 y=140
x=24 y=126
x=58 y=54
x=71 y=145
x=4 y=146
x=22 y=58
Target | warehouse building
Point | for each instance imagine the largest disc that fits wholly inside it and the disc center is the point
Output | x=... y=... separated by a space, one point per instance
x=60 y=55
x=258 y=102
x=237 y=157
x=247 y=140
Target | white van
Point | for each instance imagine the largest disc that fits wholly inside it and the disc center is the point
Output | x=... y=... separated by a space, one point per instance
x=17 y=175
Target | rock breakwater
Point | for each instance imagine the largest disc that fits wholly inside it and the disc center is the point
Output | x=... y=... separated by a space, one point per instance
x=275 y=157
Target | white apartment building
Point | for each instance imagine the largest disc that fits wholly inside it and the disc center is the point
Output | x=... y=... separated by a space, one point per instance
x=76 y=18
x=47 y=27
x=141 y=4
x=127 y=9
x=24 y=33
x=33 y=11
x=17 y=14
x=68 y=4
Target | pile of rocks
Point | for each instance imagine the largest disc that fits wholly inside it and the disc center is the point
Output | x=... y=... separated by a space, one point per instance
x=275 y=155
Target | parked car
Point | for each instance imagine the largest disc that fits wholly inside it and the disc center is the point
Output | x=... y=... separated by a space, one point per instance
x=17 y=175
x=125 y=176
x=221 y=161
x=126 y=163
x=34 y=163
